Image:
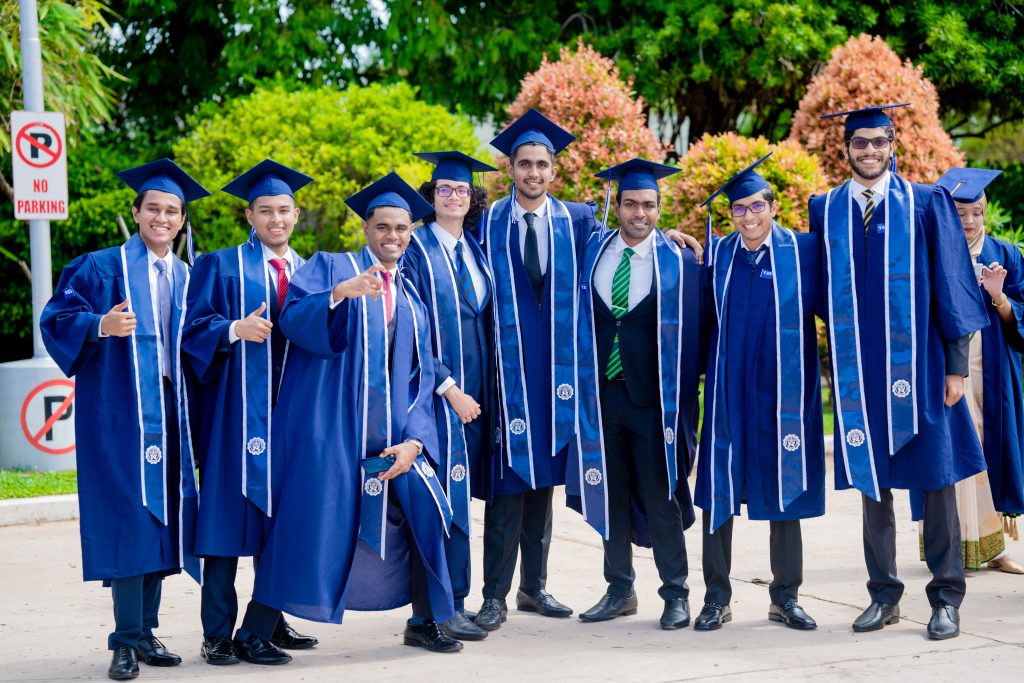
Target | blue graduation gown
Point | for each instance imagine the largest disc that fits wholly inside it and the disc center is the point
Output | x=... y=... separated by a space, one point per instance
x=751 y=374
x=313 y=564
x=120 y=538
x=229 y=525
x=945 y=449
x=535 y=335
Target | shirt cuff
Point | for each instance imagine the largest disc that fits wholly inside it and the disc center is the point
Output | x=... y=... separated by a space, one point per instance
x=232 y=337
x=445 y=386
x=334 y=304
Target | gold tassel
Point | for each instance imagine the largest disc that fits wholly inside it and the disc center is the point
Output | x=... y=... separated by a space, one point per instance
x=1010 y=527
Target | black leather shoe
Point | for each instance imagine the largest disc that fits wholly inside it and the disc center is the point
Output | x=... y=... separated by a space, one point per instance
x=491 y=615
x=876 y=616
x=152 y=652
x=611 y=606
x=255 y=650
x=543 y=603
x=792 y=615
x=429 y=636
x=286 y=637
x=711 y=617
x=468 y=614
x=460 y=627
x=219 y=651
x=945 y=622
x=124 y=665
x=676 y=614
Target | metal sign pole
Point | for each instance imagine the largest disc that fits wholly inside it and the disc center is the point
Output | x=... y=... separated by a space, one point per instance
x=39 y=231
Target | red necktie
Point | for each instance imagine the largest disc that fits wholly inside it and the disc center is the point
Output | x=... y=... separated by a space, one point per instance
x=387 y=297
x=282 y=280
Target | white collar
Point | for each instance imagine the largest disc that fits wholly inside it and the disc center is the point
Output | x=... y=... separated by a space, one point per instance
x=540 y=211
x=447 y=240
x=166 y=258
x=268 y=254
x=767 y=239
x=642 y=249
x=376 y=260
x=879 y=188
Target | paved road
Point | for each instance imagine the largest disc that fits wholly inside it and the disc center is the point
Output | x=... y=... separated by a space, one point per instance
x=53 y=627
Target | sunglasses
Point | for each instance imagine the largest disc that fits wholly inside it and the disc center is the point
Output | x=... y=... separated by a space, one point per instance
x=756 y=207
x=447 y=191
x=877 y=143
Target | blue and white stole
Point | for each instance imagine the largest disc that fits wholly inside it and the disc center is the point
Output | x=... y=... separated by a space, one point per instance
x=789 y=373
x=563 y=309
x=377 y=410
x=447 y=326
x=149 y=391
x=589 y=433
x=845 y=336
x=257 y=374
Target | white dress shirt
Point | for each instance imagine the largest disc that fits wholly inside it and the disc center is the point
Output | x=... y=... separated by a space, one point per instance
x=475 y=273
x=289 y=270
x=880 y=189
x=766 y=242
x=641 y=270
x=542 y=227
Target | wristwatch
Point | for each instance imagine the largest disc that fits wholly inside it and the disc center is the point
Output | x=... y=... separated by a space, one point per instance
x=418 y=444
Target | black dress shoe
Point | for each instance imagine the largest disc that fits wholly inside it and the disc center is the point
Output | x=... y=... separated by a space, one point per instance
x=792 y=615
x=124 y=665
x=611 y=606
x=543 y=603
x=491 y=615
x=945 y=622
x=460 y=627
x=712 y=616
x=286 y=637
x=429 y=636
x=152 y=652
x=676 y=614
x=219 y=651
x=877 y=615
x=255 y=650
x=468 y=614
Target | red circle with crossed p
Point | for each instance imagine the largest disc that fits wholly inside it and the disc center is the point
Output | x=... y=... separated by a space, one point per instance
x=56 y=407
x=47 y=155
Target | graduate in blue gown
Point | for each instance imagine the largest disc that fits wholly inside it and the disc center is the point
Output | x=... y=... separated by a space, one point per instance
x=761 y=441
x=358 y=384
x=901 y=300
x=639 y=370
x=446 y=265
x=232 y=342
x=114 y=324
x=534 y=245
x=993 y=388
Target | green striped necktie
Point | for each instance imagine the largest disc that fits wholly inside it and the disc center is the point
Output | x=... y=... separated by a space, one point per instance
x=620 y=305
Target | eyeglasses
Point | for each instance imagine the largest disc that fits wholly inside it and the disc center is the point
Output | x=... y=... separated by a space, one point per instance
x=756 y=207
x=877 y=143
x=447 y=190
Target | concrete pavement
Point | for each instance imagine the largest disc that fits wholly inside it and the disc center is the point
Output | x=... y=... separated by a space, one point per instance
x=53 y=627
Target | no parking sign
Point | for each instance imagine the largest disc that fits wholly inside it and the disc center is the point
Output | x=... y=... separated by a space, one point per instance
x=40 y=165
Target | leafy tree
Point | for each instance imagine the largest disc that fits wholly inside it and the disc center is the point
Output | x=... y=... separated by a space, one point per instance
x=345 y=140
x=793 y=173
x=864 y=72
x=583 y=93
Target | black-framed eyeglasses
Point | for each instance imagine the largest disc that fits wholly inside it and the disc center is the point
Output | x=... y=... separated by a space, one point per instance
x=447 y=190
x=756 y=207
x=877 y=143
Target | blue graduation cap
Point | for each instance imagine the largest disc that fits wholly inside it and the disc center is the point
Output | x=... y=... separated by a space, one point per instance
x=267 y=179
x=390 y=190
x=967 y=185
x=454 y=166
x=635 y=174
x=743 y=184
x=164 y=176
x=868 y=117
x=532 y=127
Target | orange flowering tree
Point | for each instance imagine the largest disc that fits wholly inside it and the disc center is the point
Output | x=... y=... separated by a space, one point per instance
x=793 y=173
x=583 y=92
x=863 y=72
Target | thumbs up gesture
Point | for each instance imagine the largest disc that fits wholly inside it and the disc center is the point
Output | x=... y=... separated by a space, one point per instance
x=254 y=327
x=117 y=322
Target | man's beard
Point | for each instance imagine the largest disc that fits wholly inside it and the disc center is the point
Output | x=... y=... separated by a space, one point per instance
x=866 y=173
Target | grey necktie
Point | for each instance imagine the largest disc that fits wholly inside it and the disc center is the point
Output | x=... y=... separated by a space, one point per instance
x=163 y=289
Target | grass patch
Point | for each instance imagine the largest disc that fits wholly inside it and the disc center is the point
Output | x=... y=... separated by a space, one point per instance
x=29 y=484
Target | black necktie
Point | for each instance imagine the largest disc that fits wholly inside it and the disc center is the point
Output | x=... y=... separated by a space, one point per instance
x=754 y=256
x=531 y=259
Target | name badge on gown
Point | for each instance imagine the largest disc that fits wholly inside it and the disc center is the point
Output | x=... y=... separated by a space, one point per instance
x=766 y=274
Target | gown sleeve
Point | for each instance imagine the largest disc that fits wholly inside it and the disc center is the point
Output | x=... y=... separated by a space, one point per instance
x=70 y=321
x=307 y=319
x=205 y=340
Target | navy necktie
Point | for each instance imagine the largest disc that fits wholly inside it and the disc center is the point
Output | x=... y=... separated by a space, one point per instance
x=163 y=289
x=465 y=280
x=754 y=256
